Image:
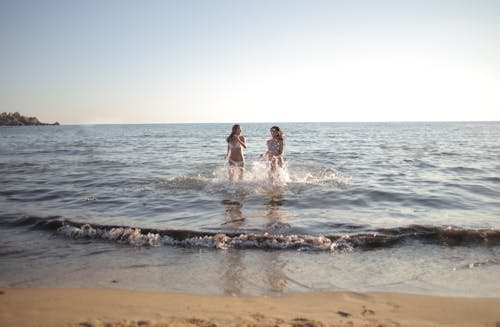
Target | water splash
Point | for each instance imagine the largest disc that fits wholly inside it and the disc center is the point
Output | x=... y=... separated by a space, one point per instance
x=259 y=179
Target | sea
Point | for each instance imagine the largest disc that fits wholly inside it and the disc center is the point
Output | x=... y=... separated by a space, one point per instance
x=362 y=207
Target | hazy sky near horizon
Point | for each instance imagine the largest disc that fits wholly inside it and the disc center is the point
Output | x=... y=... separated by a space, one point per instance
x=100 y=61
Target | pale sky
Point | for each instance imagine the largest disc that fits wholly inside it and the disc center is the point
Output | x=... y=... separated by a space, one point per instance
x=142 y=61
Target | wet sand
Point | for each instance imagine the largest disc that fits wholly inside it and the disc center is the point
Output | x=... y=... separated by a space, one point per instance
x=114 y=307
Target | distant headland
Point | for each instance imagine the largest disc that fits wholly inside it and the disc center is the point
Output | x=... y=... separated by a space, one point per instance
x=16 y=119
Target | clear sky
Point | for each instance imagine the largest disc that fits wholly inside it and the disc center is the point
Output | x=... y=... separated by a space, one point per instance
x=143 y=61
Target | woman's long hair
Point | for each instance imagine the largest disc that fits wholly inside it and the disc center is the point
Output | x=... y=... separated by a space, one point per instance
x=279 y=135
x=233 y=133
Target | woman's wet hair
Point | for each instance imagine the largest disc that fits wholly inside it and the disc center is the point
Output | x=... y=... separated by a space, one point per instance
x=233 y=132
x=280 y=135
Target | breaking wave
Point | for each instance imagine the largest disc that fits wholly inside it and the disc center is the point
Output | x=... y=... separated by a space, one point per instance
x=371 y=239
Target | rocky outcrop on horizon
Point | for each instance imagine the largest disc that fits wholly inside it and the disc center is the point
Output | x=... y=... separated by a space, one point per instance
x=16 y=119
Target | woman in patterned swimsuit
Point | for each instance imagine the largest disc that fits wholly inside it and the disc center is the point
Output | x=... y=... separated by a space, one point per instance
x=275 y=148
x=235 y=145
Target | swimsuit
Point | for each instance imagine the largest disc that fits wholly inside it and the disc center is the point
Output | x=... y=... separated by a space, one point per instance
x=276 y=159
x=236 y=163
x=275 y=148
x=235 y=146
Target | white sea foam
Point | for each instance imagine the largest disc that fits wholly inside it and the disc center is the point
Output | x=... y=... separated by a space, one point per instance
x=264 y=241
x=126 y=235
x=134 y=237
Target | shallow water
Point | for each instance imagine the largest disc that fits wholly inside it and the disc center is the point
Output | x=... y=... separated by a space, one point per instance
x=411 y=207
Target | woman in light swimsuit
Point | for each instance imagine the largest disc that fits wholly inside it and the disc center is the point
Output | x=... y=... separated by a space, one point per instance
x=235 y=144
x=275 y=148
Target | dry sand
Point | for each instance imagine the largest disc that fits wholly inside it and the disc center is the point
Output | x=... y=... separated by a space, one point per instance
x=112 y=307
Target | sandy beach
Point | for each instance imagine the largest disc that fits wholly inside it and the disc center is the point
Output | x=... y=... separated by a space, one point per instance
x=114 y=307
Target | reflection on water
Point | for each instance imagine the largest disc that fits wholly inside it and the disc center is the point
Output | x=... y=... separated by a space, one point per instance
x=275 y=272
x=274 y=213
x=233 y=262
x=233 y=277
x=276 y=267
x=239 y=273
x=232 y=214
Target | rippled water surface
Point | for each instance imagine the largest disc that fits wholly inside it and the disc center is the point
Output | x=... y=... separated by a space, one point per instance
x=411 y=207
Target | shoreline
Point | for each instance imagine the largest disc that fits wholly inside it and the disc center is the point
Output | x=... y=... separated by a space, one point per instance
x=120 y=307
